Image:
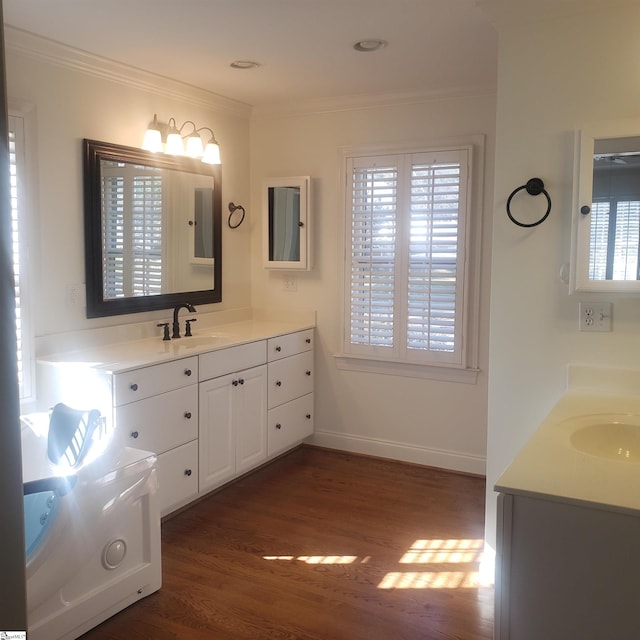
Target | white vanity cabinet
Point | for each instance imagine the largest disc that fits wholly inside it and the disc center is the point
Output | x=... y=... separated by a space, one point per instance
x=209 y=416
x=156 y=409
x=290 y=417
x=233 y=409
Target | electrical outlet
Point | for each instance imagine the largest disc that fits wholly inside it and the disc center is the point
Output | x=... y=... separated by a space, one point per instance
x=595 y=316
x=290 y=283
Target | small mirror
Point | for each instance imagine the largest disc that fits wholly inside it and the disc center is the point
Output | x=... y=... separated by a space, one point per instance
x=152 y=230
x=607 y=213
x=286 y=221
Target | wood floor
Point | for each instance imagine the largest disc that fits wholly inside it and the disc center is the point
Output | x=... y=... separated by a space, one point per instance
x=321 y=545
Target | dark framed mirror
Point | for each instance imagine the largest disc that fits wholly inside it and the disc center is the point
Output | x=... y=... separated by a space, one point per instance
x=153 y=230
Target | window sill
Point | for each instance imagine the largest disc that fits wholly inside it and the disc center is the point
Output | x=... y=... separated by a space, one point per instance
x=347 y=362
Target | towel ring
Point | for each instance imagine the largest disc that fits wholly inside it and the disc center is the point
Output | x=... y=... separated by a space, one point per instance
x=534 y=187
x=232 y=209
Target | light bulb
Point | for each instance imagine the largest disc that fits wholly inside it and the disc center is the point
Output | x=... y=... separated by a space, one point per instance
x=211 y=153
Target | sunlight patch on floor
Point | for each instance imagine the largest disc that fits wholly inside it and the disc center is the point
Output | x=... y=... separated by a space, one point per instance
x=317 y=559
x=439 y=552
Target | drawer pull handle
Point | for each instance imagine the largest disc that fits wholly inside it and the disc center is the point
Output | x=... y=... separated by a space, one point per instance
x=133 y=387
x=187 y=472
x=308 y=416
x=308 y=340
x=278 y=349
x=187 y=415
x=134 y=434
x=187 y=372
x=278 y=426
x=278 y=383
x=308 y=373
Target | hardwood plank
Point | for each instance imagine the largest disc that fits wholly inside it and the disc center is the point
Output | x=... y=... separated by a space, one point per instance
x=303 y=548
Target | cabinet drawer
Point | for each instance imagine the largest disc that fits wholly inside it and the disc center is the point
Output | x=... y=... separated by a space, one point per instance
x=150 y=381
x=160 y=423
x=289 y=344
x=289 y=423
x=177 y=476
x=290 y=378
x=223 y=361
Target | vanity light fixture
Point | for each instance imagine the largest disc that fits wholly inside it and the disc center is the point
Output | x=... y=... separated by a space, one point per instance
x=178 y=144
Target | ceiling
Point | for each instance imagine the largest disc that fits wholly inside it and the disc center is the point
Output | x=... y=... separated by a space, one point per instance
x=304 y=47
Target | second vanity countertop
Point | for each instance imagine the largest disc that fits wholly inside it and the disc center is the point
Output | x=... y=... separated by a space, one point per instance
x=550 y=466
x=125 y=356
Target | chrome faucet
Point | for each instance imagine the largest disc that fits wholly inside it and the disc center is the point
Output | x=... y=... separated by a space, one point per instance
x=176 y=324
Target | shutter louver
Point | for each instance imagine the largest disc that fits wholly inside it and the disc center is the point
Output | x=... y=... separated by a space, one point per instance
x=133 y=240
x=433 y=255
x=373 y=238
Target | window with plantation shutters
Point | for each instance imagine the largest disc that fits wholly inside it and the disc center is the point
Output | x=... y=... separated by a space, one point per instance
x=19 y=213
x=406 y=245
x=133 y=240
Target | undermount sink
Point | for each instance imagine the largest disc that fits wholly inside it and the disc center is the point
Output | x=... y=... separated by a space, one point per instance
x=197 y=342
x=609 y=437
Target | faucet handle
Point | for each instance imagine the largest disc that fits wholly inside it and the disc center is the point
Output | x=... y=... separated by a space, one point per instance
x=187 y=322
x=165 y=333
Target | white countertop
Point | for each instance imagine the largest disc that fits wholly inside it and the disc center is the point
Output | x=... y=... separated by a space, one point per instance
x=550 y=466
x=124 y=356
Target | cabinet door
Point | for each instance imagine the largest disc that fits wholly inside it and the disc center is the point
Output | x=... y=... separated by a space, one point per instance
x=178 y=477
x=289 y=424
x=160 y=423
x=233 y=438
x=250 y=418
x=290 y=378
x=216 y=435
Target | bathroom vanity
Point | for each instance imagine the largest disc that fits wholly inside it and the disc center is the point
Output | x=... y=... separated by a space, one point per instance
x=212 y=406
x=568 y=529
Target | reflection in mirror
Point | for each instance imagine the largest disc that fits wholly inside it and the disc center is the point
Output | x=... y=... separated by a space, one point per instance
x=152 y=230
x=606 y=238
x=615 y=210
x=286 y=220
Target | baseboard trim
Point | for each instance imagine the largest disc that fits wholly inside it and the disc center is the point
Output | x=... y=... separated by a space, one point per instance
x=452 y=460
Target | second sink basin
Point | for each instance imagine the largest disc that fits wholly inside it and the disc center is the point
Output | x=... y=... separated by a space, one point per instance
x=610 y=437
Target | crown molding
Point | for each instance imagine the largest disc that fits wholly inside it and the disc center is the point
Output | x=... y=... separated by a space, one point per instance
x=33 y=46
x=365 y=101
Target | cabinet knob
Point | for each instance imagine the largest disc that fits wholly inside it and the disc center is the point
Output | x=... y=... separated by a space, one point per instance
x=308 y=373
x=278 y=426
x=187 y=372
x=278 y=383
x=308 y=340
x=241 y=381
x=301 y=224
x=187 y=415
x=187 y=472
x=134 y=434
x=278 y=349
x=133 y=387
x=234 y=383
x=308 y=416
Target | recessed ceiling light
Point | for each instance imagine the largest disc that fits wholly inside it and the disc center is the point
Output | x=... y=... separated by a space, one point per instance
x=244 y=64
x=370 y=44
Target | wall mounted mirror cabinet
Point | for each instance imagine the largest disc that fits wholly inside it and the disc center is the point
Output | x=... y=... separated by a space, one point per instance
x=152 y=230
x=606 y=210
x=286 y=223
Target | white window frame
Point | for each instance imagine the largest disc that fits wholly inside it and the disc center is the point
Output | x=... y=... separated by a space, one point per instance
x=463 y=365
x=19 y=124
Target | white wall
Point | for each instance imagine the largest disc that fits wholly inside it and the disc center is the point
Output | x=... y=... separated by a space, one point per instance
x=555 y=74
x=426 y=421
x=69 y=96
